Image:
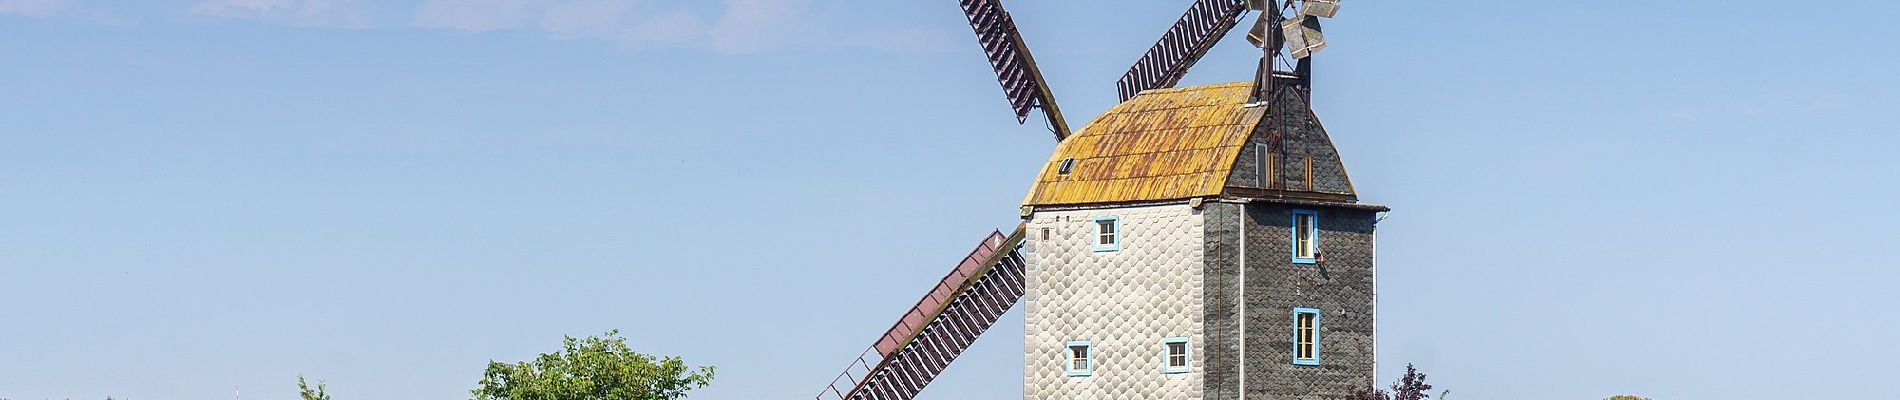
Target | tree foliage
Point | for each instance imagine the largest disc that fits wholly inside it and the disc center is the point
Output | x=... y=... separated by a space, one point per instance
x=1412 y=386
x=304 y=390
x=595 y=368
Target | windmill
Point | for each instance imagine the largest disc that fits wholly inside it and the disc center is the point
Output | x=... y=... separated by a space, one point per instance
x=1256 y=120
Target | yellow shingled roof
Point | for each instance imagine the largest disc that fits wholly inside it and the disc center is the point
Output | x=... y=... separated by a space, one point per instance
x=1163 y=144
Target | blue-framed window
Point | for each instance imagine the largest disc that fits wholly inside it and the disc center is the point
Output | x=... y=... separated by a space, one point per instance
x=1305 y=236
x=1174 y=355
x=1108 y=233
x=1080 y=360
x=1306 y=336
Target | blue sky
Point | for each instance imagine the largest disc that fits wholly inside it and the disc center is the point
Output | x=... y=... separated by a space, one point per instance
x=1687 y=200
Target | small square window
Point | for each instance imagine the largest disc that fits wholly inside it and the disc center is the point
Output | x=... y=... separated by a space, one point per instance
x=1068 y=164
x=1081 y=361
x=1175 y=355
x=1108 y=233
x=1306 y=336
x=1305 y=236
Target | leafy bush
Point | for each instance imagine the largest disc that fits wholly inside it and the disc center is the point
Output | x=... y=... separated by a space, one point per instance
x=304 y=391
x=594 y=368
x=1412 y=386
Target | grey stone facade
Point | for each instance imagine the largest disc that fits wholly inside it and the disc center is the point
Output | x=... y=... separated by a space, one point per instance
x=1293 y=134
x=1222 y=297
x=1341 y=288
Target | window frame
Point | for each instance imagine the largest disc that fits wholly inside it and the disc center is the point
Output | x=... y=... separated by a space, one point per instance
x=1167 y=356
x=1315 y=339
x=1116 y=224
x=1263 y=166
x=1312 y=237
x=1309 y=172
x=1068 y=358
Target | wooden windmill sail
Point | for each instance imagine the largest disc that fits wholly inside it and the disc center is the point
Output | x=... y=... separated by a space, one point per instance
x=1015 y=68
x=990 y=279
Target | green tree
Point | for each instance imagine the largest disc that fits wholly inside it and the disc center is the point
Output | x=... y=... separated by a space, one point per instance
x=1412 y=386
x=595 y=368
x=303 y=389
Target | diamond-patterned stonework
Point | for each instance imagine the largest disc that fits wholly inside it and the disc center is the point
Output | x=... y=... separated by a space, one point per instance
x=1125 y=302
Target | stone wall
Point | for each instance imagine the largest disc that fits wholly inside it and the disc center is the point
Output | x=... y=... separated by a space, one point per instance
x=1221 y=293
x=1299 y=137
x=1275 y=285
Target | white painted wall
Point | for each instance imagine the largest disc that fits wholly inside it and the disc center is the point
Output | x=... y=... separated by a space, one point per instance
x=1124 y=301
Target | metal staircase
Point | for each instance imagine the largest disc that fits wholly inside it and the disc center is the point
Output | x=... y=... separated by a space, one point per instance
x=944 y=323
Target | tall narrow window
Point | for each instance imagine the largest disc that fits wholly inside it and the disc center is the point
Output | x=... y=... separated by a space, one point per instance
x=1081 y=360
x=1305 y=236
x=1263 y=166
x=1309 y=173
x=1108 y=233
x=1306 y=336
x=1174 y=355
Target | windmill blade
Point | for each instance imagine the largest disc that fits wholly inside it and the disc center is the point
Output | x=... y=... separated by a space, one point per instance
x=1258 y=35
x=1303 y=37
x=1015 y=67
x=1168 y=60
x=1320 y=8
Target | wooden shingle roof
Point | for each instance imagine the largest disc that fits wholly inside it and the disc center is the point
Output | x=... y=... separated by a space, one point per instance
x=1164 y=144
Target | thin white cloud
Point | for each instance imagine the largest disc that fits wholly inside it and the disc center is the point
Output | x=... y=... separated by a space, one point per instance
x=725 y=27
x=586 y=18
x=311 y=13
x=731 y=27
x=752 y=25
x=34 y=8
x=335 y=13
x=478 y=15
x=67 y=9
x=243 y=8
x=677 y=26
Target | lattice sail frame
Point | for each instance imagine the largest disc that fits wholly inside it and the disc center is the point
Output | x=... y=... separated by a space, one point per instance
x=1015 y=67
x=1163 y=65
x=1207 y=21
